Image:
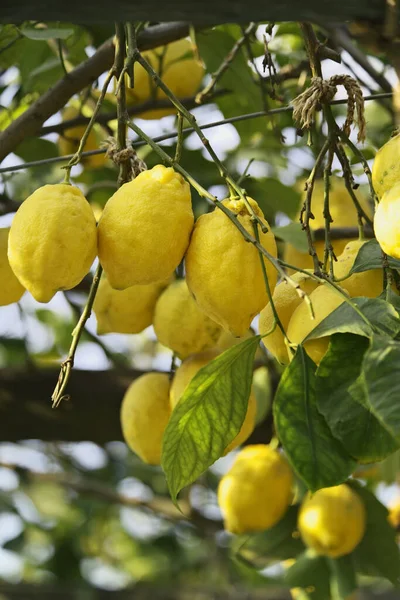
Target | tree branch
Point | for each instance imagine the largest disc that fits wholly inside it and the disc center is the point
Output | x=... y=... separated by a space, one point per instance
x=30 y=122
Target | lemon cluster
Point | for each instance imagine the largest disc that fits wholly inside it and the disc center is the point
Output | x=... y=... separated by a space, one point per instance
x=293 y=309
x=257 y=491
x=386 y=182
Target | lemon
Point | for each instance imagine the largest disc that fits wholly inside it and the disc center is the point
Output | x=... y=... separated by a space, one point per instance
x=145 y=413
x=224 y=272
x=332 y=521
x=69 y=140
x=126 y=311
x=177 y=66
x=286 y=300
x=180 y=325
x=145 y=228
x=343 y=213
x=367 y=283
x=184 y=375
x=257 y=490
x=386 y=167
x=324 y=301
x=53 y=240
x=394 y=515
x=387 y=222
x=10 y=289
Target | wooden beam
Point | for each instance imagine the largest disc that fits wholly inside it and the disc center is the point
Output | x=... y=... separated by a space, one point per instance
x=195 y=11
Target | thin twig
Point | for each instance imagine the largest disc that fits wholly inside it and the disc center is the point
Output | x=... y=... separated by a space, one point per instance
x=329 y=255
x=205 y=93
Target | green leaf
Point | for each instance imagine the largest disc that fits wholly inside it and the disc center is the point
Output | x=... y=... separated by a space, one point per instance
x=377 y=554
x=208 y=416
x=378 y=315
x=281 y=542
x=370 y=257
x=35 y=33
x=294 y=234
x=214 y=45
x=318 y=458
x=341 y=399
x=310 y=572
x=273 y=195
x=343 y=576
x=382 y=379
x=31 y=148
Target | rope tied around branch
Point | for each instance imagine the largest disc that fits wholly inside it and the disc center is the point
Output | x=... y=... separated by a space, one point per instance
x=322 y=92
x=127 y=154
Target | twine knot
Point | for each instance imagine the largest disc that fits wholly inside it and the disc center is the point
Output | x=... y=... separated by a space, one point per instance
x=322 y=92
x=125 y=155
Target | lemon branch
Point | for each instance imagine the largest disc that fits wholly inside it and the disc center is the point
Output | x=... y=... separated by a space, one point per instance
x=329 y=255
x=68 y=363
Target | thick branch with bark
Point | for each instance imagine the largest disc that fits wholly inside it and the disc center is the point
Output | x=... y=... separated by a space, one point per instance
x=30 y=122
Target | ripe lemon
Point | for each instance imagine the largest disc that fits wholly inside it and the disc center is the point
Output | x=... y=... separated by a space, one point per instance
x=387 y=222
x=394 y=515
x=343 y=213
x=68 y=141
x=324 y=301
x=368 y=283
x=180 y=325
x=257 y=490
x=10 y=289
x=286 y=300
x=178 y=68
x=386 y=167
x=184 y=375
x=332 y=521
x=224 y=272
x=145 y=413
x=126 y=311
x=53 y=240
x=145 y=228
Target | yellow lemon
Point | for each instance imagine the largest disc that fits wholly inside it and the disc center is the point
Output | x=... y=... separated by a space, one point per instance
x=394 y=515
x=53 y=240
x=332 y=521
x=343 y=213
x=257 y=490
x=368 y=283
x=386 y=167
x=10 y=289
x=224 y=272
x=286 y=300
x=324 y=301
x=126 y=311
x=177 y=66
x=69 y=140
x=145 y=413
x=145 y=228
x=184 y=375
x=387 y=222
x=179 y=323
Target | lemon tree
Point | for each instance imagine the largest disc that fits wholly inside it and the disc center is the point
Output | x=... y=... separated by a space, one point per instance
x=241 y=253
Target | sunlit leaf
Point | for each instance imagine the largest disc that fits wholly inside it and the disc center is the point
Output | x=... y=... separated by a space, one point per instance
x=208 y=416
